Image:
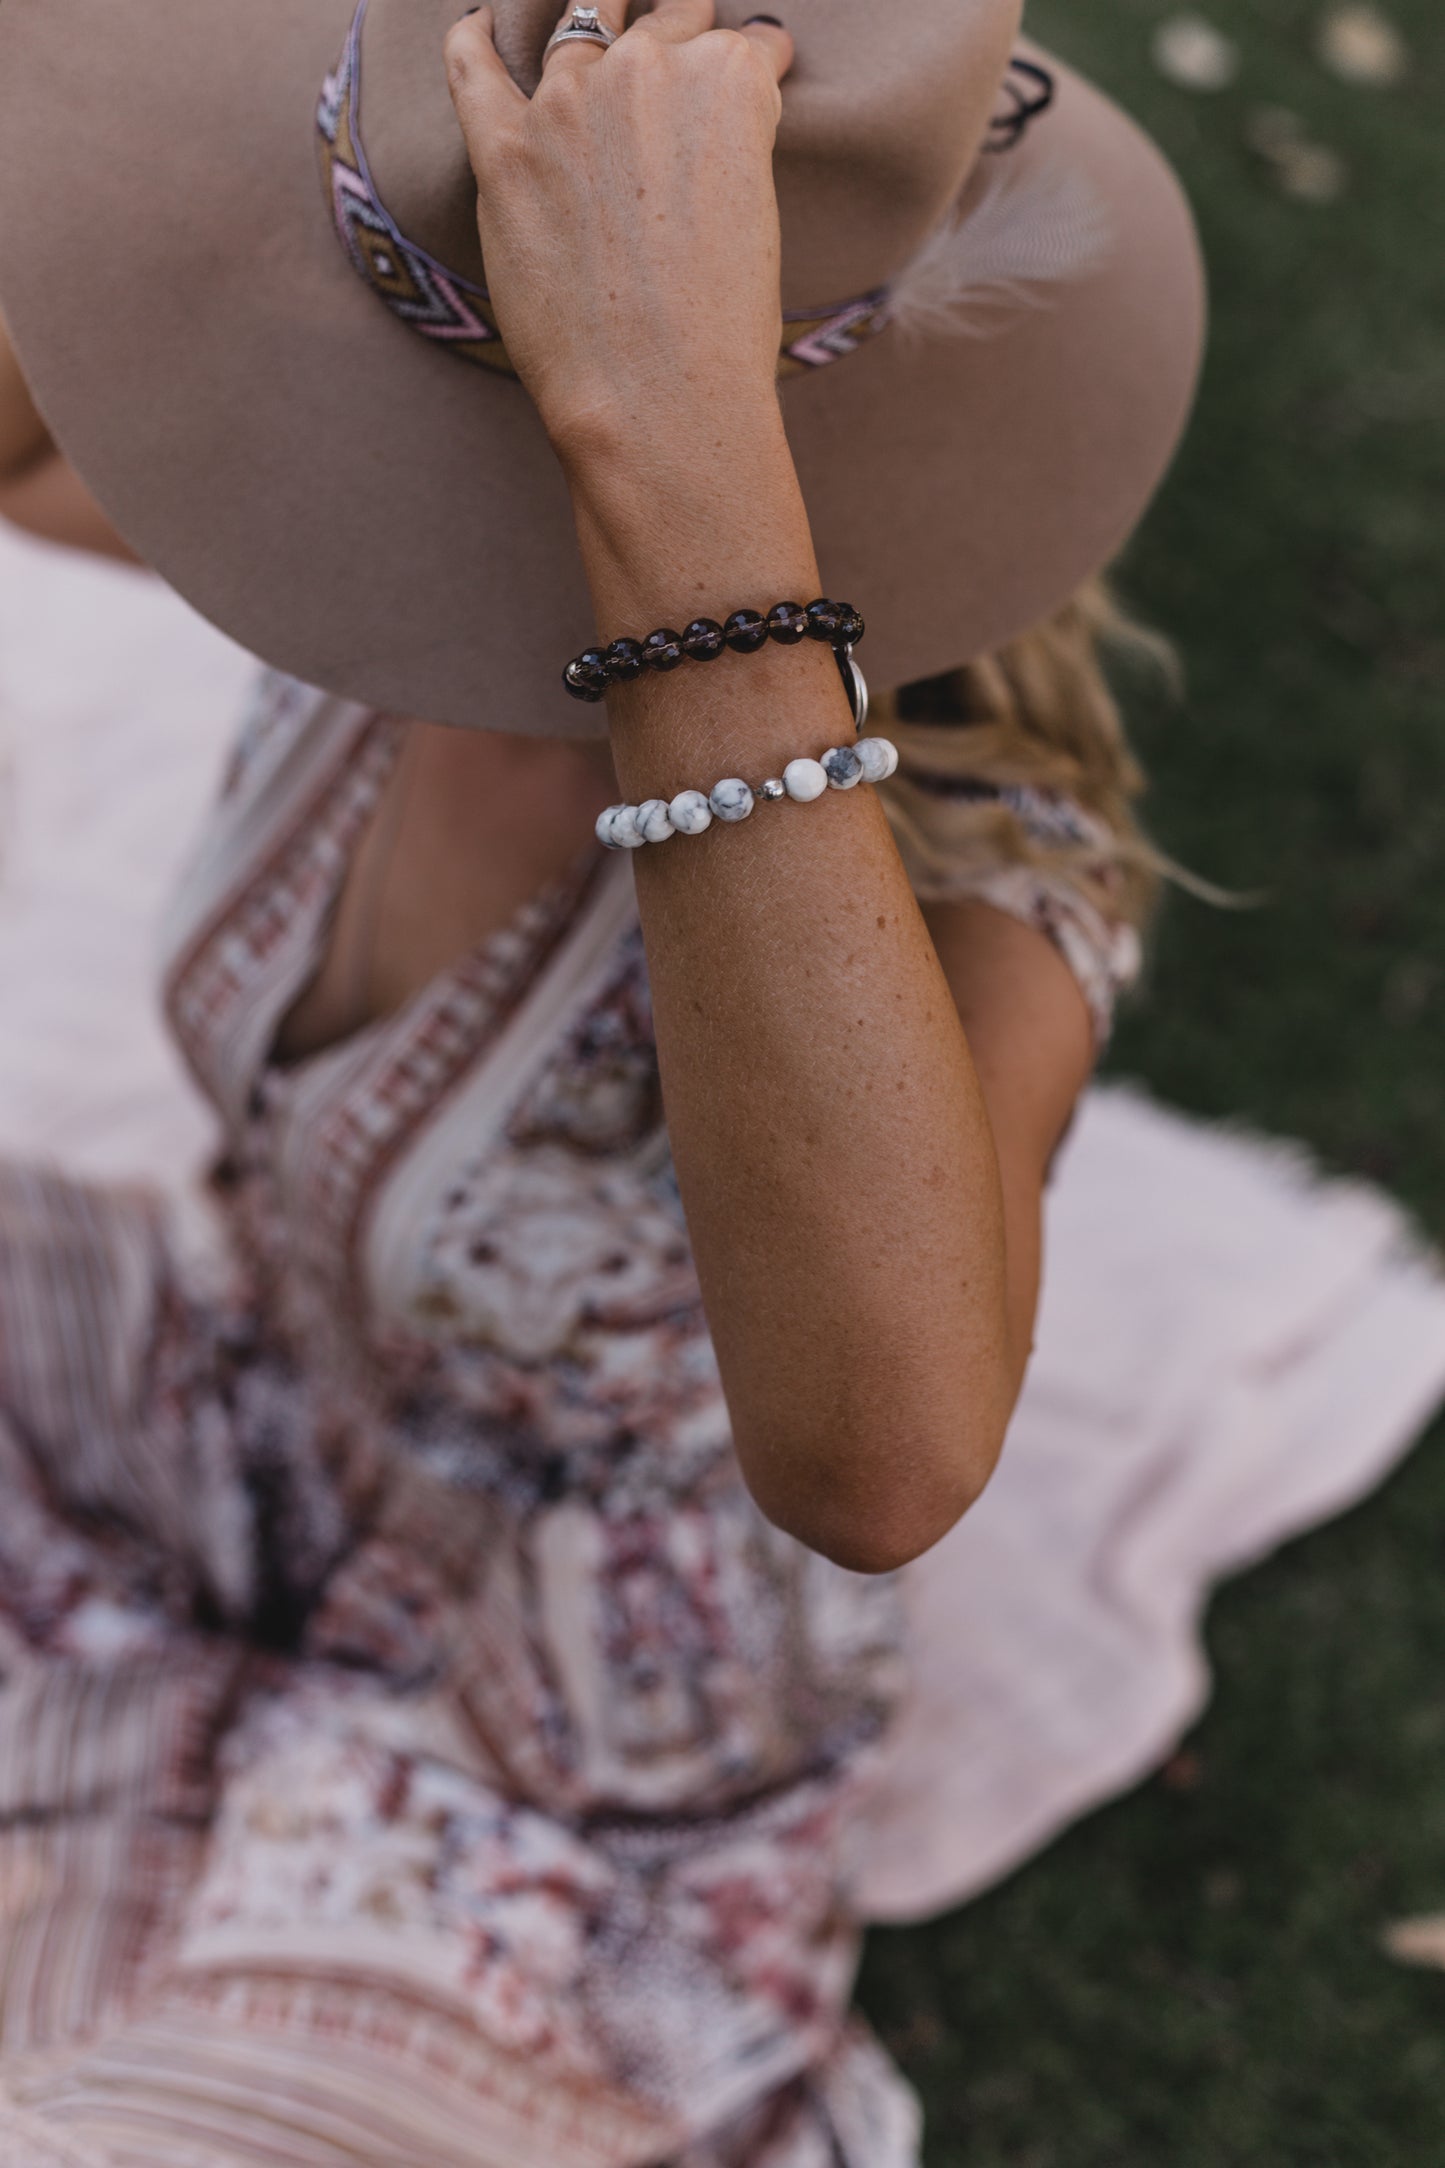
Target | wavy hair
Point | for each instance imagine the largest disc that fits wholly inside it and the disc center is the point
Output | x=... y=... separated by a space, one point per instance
x=1039 y=714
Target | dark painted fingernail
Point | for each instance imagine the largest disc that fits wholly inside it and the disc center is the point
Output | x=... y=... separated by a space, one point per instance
x=763 y=19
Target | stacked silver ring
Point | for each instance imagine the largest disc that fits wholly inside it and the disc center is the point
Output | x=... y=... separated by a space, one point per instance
x=628 y=827
x=583 y=26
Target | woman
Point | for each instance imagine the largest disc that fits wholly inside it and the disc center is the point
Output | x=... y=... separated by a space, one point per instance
x=445 y=1676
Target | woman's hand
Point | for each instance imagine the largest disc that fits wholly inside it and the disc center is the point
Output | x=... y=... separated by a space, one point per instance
x=629 y=221
x=831 y=1141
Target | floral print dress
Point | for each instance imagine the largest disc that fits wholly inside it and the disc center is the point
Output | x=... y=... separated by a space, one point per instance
x=416 y=1750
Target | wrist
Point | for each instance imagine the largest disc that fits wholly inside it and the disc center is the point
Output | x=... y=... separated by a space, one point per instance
x=695 y=519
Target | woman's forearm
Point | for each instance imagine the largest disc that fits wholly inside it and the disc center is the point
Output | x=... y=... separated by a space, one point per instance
x=50 y=500
x=831 y=1142
x=39 y=491
x=24 y=439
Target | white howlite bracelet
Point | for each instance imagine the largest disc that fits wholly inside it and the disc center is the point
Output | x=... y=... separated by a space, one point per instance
x=628 y=827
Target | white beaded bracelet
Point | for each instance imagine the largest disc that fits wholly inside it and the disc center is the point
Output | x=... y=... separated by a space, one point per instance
x=628 y=827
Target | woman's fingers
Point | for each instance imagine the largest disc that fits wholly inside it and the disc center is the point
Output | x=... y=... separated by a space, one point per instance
x=772 y=41
x=675 y=21
x=483 y=91
x=582 y=52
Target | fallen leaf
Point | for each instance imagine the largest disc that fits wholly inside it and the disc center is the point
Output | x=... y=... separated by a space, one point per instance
x=1273 y=130
x=1361 y=45
x=1417 y=1942
x=1312 y=173
x=1190 y=52
x=1223 y=1889
x=1183 y=1772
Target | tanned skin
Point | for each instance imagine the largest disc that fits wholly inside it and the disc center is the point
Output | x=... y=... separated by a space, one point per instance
x=863 y=1096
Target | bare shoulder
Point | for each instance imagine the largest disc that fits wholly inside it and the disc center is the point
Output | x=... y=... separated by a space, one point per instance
x=39 y=490
x=1028 y=1025
x=23 y=435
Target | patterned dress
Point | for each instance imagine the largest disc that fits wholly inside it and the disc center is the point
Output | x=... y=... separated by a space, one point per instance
x=416 y=1750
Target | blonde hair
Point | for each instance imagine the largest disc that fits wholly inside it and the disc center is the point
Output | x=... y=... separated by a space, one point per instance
x=1039 y=713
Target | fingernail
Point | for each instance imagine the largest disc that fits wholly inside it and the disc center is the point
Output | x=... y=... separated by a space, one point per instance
x=777 y=25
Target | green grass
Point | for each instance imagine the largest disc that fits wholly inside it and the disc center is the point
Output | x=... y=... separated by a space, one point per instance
x=1192 y=1979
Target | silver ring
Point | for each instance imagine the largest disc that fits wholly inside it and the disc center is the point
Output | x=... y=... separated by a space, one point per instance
x=584 y=26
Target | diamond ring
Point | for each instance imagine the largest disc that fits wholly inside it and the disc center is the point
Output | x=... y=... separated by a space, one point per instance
x=583 y=26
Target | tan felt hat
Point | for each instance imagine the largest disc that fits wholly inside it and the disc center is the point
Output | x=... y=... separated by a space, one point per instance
x=993 y=306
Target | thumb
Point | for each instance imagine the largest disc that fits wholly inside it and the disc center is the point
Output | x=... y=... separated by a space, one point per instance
x=483 y=91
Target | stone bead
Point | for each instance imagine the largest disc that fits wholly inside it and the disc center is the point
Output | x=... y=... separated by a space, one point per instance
x=603 y=828
x=842 y=767
x=627 y=829
x=745 y=632
x=731 y=799
x=879 y=757
x=625 y=660
x=851 y=627
x=824 y=620
x=772 y=790
x=703 y=640
x=690 y=812
x=654 y=821
x=587 y=676
x=805 y=780
x=787 y=623
x=662 y=650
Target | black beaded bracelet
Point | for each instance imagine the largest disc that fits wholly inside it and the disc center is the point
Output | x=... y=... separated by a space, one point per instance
x=589 y=674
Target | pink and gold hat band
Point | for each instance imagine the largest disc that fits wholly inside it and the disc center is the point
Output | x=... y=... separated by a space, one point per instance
x=442 y=304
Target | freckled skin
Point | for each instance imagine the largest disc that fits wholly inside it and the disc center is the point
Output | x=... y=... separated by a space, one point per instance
x=917 y=1246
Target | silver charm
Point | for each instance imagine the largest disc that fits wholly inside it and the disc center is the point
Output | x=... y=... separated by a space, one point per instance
x=854 y=684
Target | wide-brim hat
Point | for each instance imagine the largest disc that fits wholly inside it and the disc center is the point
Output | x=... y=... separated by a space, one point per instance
x=239 y=262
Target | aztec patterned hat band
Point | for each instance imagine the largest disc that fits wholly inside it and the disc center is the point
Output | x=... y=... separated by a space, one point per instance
x=444 y=305
x=1017 y=362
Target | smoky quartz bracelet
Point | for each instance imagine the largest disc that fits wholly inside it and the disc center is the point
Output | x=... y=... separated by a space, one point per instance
x=628 y=827
x=589 y=674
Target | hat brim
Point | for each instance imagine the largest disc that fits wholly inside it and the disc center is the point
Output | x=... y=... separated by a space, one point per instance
x=377 y=518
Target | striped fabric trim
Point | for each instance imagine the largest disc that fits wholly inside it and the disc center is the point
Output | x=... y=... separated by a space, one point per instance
x=346 y=1115
x=454 y=311
x=271 y=2071
x=229 y=988
x=105 y=1797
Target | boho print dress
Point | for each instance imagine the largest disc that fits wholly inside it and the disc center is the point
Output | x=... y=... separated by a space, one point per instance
x=416 y=1750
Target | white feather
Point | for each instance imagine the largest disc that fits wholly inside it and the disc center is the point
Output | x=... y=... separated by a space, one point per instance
x=1027 y=231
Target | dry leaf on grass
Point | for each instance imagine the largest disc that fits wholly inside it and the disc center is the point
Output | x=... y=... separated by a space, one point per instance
x=1419 y=1941
x=1189 y=52
x=1273 y=131
x=1361 y=45
x=1311 y=173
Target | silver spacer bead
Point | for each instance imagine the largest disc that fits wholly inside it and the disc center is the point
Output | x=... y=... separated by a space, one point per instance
x=772 y=790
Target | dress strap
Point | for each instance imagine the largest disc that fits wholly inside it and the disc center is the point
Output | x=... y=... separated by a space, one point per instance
x=245 y=931
x=473 y=1118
